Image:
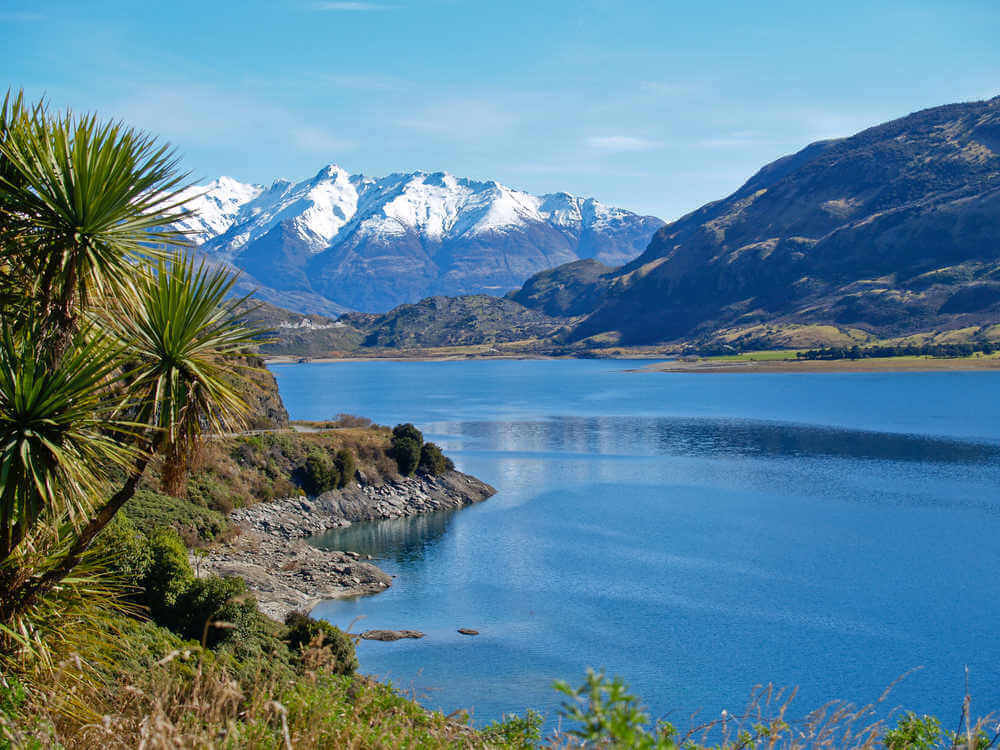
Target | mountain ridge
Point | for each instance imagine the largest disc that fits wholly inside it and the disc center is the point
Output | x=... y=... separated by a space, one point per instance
x=891 y=230
x=338 y=241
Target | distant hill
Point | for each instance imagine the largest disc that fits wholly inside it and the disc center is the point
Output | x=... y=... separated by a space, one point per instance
x=470 y=320
x=336 y=242
x=891 y=231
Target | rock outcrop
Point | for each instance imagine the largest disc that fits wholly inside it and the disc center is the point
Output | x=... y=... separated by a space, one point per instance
x=294 y=518
x=285 y=573
x=286 y=576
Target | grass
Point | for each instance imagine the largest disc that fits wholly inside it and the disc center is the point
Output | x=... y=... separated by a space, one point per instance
x=233 y=472
x=160 y=692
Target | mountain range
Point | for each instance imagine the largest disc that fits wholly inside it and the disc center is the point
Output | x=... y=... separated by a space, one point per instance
x=891 y=231
x=338 y=242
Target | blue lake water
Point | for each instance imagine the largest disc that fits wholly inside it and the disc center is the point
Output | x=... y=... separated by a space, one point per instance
x=696 y=534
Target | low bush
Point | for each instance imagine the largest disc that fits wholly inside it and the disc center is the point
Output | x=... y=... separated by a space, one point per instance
x=346 y=467
x=150 y=511
x=433 y=461
x=406 y=451
x=321 y=473
x=304 y=634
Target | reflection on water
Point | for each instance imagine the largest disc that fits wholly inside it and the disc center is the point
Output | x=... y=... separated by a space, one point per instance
x=401 y=539
x=715 y=437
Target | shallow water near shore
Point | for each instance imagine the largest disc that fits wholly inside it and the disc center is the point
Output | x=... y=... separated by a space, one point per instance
x=697 y=534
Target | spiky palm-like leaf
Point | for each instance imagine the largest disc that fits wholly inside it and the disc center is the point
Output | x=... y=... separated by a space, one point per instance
x=86 y=199
x=186 y=339
x=55 y=446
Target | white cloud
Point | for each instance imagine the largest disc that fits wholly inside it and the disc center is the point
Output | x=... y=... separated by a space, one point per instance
x=616 y=144
x=207 y=116
x=350 y=6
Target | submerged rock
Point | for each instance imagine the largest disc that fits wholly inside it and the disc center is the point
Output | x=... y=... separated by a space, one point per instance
x=390 y=635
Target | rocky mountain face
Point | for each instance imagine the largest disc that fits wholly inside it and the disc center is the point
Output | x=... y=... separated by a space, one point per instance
x=893 y=230
x=338 y=241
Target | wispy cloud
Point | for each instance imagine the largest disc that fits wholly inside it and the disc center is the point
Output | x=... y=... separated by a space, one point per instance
x=465 y=119
x=208 y=117
x=616 y=144
x=365 y=82
x=15 y=16
x=350 y=6
x=319 y=141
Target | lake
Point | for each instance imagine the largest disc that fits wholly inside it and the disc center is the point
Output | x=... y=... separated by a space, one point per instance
x=696 y=534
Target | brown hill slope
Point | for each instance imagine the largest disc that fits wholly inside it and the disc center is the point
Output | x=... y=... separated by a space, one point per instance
x=893 y=230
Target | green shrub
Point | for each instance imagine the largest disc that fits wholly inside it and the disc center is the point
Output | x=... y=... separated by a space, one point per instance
x=321 y=473
x=914 y=732
x=208 y=490
x=406 y=451
x=407 y=430
x=433 y=461
x=346 y=466
x=169 y=574
x=150 y=511
x=124 y=550
x=187 y=605
x=303 y=631
x=521 y=732
x=610 y=716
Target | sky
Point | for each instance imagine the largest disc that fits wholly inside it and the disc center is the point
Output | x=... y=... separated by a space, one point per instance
x=651 y=105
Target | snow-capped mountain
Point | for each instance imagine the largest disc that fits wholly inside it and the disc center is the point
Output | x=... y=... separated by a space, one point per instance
x=338 y=240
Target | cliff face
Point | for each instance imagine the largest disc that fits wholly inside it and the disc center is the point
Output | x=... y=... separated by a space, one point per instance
x=267 y=410
x=894 y=229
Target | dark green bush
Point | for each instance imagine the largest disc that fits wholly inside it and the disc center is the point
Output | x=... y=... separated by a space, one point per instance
x=433 y=461
x=407 y=430
x=302 y=631
x=346 y=466
x=169 y=574
x=185 y=604
x=321 y=473
x=406 y=451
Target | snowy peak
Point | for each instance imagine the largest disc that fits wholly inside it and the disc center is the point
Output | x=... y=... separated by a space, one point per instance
x=214 y=207
x=370 y=243
x=323 y=209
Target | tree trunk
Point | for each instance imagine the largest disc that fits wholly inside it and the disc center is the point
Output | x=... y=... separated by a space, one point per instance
x=27 y=594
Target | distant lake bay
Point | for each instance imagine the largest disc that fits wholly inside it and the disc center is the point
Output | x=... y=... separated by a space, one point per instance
x=696 y=534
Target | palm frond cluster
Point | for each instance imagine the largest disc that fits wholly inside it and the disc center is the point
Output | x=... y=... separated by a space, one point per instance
x=115 y=346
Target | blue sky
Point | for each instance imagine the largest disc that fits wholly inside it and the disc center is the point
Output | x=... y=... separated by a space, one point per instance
x=657 y=107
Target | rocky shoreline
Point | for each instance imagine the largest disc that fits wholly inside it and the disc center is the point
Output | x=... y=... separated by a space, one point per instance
x=298 y=517
x=285 y=573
